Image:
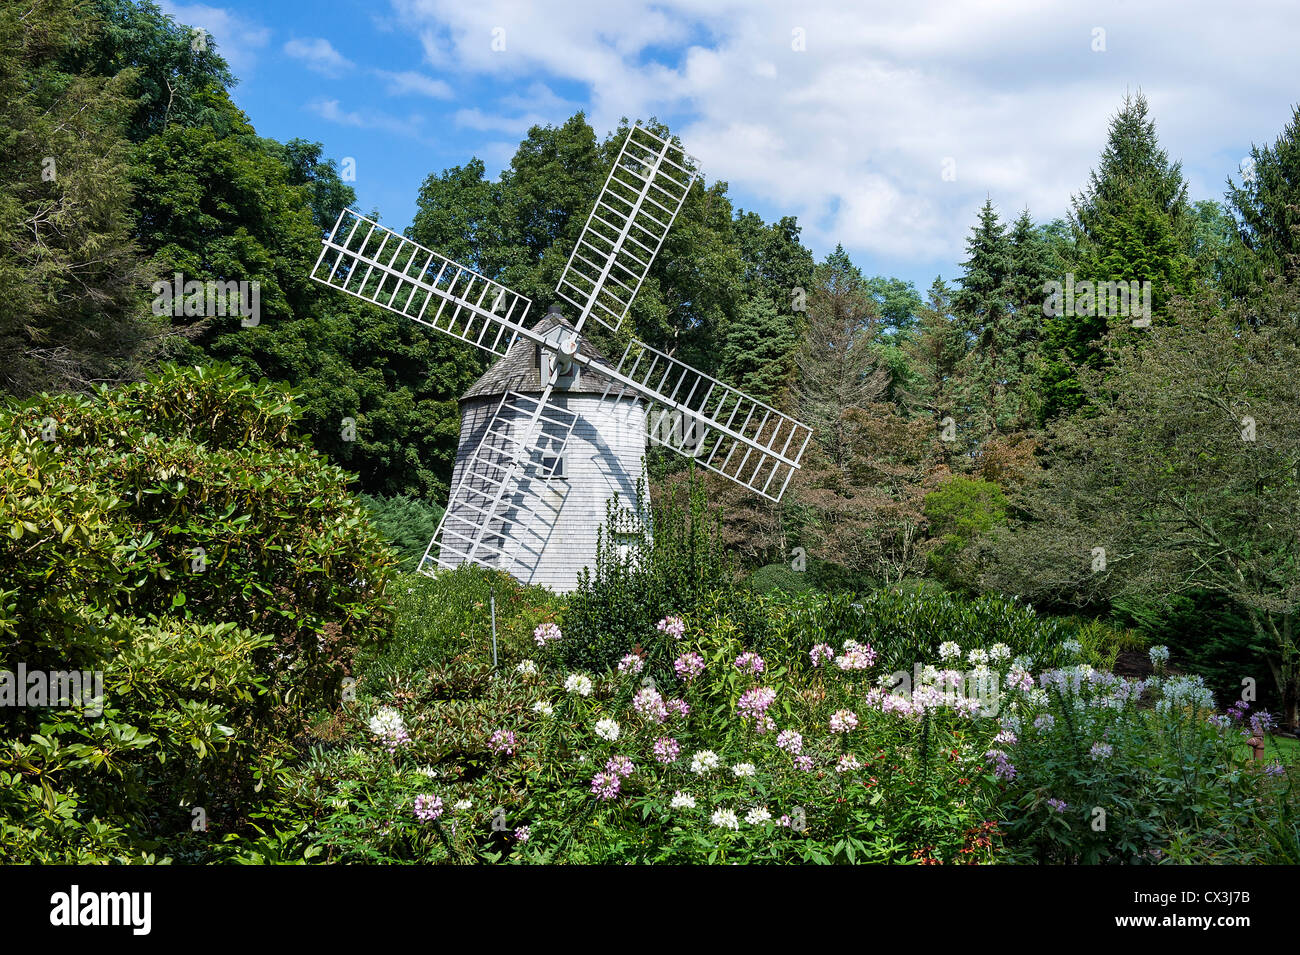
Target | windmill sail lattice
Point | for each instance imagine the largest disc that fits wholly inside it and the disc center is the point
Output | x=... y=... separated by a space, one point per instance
x=626 y=227
x=480 y=524
x=506 y=478
x=378 y=265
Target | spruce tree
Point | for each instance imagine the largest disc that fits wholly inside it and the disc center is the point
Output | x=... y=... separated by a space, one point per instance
x=1265 y=210
x=1132 y=223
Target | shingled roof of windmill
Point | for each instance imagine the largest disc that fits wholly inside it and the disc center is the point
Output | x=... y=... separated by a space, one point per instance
x=518 y=370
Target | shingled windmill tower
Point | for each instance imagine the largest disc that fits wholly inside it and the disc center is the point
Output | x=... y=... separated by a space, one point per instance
x=553 y=429
x=590 y=447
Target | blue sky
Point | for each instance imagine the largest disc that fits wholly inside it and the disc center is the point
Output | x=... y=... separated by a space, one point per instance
x=881 y=126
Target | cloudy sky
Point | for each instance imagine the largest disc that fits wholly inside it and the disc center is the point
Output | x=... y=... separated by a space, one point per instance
x=881 y=126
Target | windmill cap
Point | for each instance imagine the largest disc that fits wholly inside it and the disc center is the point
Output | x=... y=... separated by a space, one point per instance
x=518 y=370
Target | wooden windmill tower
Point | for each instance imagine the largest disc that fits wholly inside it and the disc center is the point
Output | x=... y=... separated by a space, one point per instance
x=554 y=429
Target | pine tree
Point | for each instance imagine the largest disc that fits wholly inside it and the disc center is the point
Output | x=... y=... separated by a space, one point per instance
x=838 y=368
x=984 y=312
x=935 y=351
x=1132 y=164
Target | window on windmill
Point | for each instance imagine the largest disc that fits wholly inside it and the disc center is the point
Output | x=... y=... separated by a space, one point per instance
x=553 y=464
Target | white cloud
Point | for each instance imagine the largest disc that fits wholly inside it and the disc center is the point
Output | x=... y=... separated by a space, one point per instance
x=237 y=39
x=851 y=133
x=412 y=82
x=410 y=126
x=318 y=54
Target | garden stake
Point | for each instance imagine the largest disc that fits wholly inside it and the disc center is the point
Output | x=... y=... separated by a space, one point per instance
x=492 y=605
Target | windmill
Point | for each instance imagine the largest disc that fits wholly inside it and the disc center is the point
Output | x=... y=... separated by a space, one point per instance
x=550 y=389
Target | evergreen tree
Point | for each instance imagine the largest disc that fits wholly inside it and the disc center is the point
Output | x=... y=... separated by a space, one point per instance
x=758 y=351
x=1265 y=211
x=1132 y=223
x=1132 y=164
x=838 y=366
x=984 y=311
x=935 y=352
x=73 y=311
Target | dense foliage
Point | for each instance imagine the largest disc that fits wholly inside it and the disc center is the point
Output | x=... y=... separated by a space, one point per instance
x=173 y=536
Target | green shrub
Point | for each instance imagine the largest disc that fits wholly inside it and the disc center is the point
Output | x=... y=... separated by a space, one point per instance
x=448 y=616
x=960 y=511
x=407 y=523
x=646 y=569
x=1130 y=781
x=779 y=577
x=908 y=626
x=173 y=535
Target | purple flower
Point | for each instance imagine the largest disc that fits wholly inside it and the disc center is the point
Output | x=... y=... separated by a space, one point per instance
x=680 y=707
x=790 y=741
x=675 y=627
x=605 y=785
x=1058 y=805
x=523 y=833
x=750 y=662
x=1101 y=751
x=620 y=765
x=1274 y=769
x=753 y=705
x=1261 y=723
x=650 y=704
x=844 y=721
x=503 y=742
x=688 y=666
x=857 y=656
x=428 y=808
x=804 y=762
x=631 y=663
x=822 y=653
x=666 y=749
x=544 y=633
x=1003 y=768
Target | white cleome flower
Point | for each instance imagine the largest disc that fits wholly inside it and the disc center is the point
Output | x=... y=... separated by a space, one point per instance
x=578 y=683
x=705 y=761
x=607 y=729
x=544 y=708
x=387 y=722
x=526 y=667
x=949 y=650
x=741 y=770
x=757 y=816
x=682 y=801
x=725 y=819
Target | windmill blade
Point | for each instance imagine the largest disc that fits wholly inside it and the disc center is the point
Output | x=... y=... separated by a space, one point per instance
x=626 y=227
x=507 y=472
x=723 y=429
x=379 y=266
